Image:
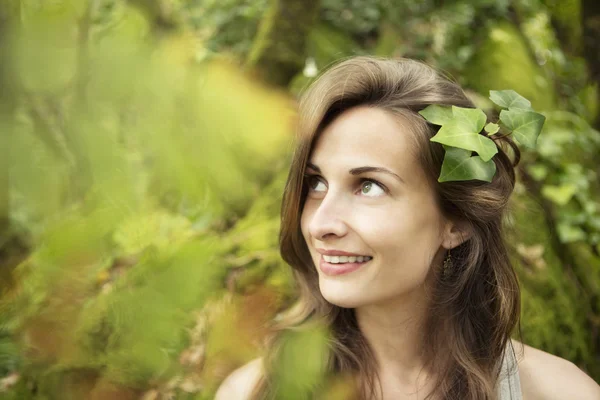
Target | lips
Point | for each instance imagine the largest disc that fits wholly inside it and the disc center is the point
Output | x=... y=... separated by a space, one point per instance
x=338 y=253
x=335 y=269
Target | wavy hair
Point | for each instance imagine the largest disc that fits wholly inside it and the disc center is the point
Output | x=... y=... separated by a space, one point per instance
x=475 y=308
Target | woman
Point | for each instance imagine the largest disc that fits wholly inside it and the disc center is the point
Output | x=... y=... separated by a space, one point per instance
x=412 y=275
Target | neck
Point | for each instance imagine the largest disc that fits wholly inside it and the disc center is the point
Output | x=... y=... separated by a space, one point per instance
x=395 y=331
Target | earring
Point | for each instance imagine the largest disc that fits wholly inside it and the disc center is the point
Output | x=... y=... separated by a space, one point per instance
x=448 y=265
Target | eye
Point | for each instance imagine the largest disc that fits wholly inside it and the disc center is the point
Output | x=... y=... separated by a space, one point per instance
x=315 y=183
x=371 y=188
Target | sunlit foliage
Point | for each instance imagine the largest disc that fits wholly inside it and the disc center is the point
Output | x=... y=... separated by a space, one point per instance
x=146 y=170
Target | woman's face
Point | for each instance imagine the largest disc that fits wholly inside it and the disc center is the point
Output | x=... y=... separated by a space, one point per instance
x=370 y=219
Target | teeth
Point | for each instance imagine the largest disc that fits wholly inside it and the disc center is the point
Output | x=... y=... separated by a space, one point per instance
x=345 y=259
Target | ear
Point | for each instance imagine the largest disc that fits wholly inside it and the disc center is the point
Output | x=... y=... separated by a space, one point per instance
x=455 y=234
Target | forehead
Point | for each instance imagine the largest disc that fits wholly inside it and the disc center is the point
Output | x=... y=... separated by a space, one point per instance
x=368 y=136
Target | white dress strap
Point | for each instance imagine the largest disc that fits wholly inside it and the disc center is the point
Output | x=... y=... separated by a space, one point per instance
x=509 y=385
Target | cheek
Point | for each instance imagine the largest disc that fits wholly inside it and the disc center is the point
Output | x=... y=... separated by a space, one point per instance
x=305 y=218
x=413 y=234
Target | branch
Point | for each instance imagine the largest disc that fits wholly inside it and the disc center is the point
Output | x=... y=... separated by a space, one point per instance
x=590 y=19
x=47 y=129
x=278 y=50
x=161 y=13
x=83 y=53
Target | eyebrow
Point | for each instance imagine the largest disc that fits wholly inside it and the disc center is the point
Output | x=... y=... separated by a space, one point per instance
x=362 y=170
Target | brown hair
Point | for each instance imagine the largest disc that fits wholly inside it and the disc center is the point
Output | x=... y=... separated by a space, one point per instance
x=474 y=308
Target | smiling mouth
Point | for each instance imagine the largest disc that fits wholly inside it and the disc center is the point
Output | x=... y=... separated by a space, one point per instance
x=341 y=265
x=346 y=259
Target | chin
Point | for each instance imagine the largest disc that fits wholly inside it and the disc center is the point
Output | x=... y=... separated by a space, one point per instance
x=343 y=302
x=341 y=295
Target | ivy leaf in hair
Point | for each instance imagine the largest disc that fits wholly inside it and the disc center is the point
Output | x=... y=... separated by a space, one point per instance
x=525 y=125
x=492 y=128
x=463 y=132
x=510 y=99
x=437 y=115
x=461 y=165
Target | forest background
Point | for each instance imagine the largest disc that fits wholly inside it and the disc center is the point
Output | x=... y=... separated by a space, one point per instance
x=144 y=145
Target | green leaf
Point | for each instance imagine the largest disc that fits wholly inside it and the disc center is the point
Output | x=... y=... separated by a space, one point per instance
x=594 y=223
x=568 y=233
x=510 y=99
x=459 y=165
x=463 y=132
x=492 y=128
x=525 y=125
x=560 y=195
x=302 y=362
x=436 y=114
x=471 y=118
x=538 y=172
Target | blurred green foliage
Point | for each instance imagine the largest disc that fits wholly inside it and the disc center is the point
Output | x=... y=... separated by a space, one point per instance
x=227 y=26
x=146 y=172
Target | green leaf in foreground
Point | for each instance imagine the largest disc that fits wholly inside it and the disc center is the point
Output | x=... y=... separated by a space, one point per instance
x=460 y=165
x=491 y=128
x=302 y=361
x=463 y=132
x=525 y=125
x=436 y=114
x=510 y=99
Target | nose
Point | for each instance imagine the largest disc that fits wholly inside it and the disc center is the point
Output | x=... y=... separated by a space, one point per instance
x=328 y=218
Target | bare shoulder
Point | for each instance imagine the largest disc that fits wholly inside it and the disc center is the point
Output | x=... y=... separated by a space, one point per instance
x=241 y=382
x=548 y=377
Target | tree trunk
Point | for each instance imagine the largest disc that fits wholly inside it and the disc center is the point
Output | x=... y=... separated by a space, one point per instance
x=6 y=108
x=12 y=246
x=591 y=43
x=278 y=50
